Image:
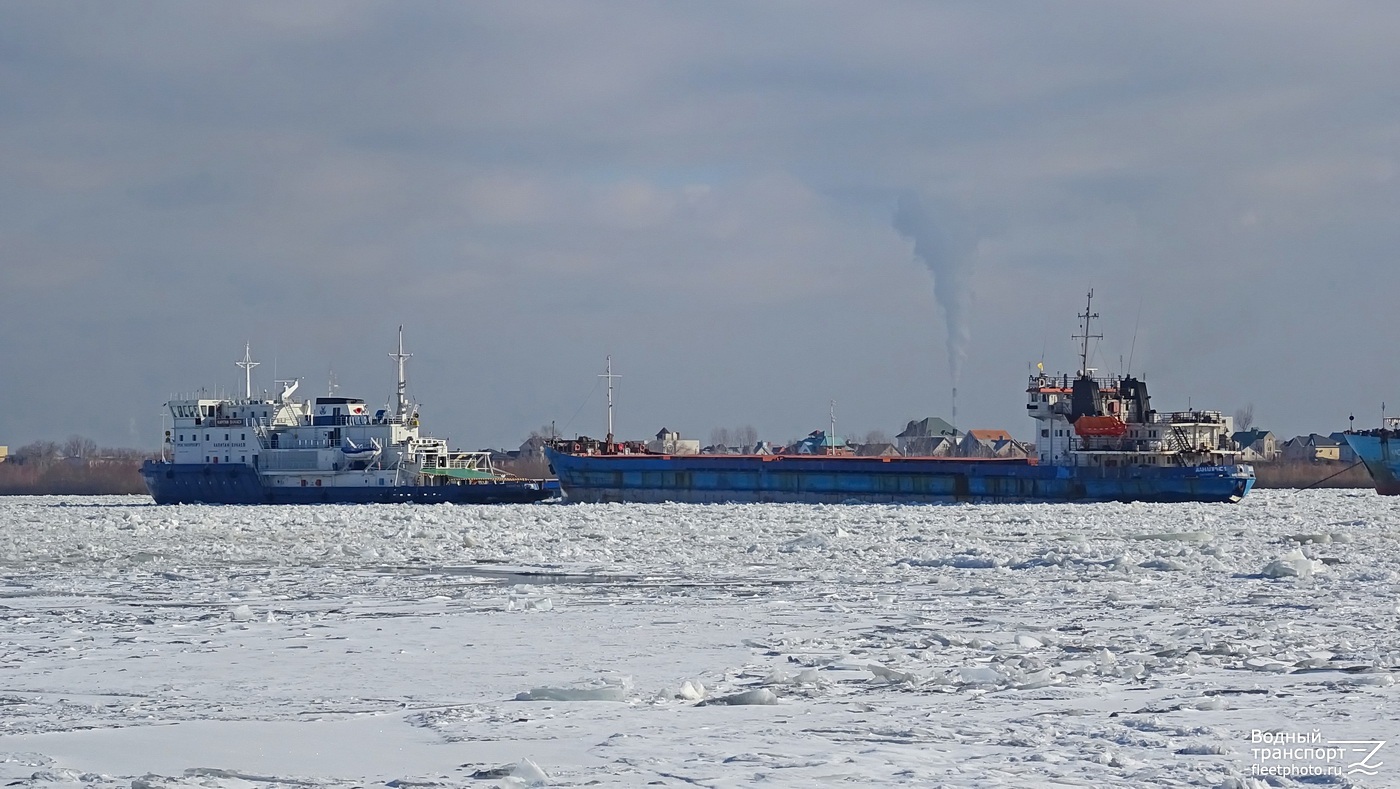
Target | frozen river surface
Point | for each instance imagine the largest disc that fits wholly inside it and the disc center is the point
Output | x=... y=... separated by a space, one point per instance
x=717 y=646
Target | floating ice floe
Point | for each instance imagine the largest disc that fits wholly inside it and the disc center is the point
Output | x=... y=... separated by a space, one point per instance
x=758 y=696
x=530 y=773
x=571 y=694
x=1266 y=664
x=691 y=691
x=609 y=689
x=1163 y=563
x=804 y=543
x=806 y=677
x=1379 y=678
x=1177 y=536
x=971 y=559
x=890 y=675
x=1322 y=538
x=527 y=598
x=1294 y=564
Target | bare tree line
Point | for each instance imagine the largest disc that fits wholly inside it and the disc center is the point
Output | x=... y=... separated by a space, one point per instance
x=744 y=436
x=77 y=466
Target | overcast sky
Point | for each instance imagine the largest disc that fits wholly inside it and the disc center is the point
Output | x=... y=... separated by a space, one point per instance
x=755 y=208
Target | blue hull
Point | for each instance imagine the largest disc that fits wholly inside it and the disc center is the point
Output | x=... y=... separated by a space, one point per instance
x=838 y=480
x=1380 y=451
x=216 y=483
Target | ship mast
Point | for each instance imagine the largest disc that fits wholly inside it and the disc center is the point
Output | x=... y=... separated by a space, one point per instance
x=1087 y=315
x=831 y=437
x=247 y=364
x=609 y=375
x=401 y=406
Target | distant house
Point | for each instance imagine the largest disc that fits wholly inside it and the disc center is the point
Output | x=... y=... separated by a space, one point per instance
x=936 y=446
x=819 y=443
x=924 y=436
x=1256 y=445
x=1310 y=448
x=669 y=442
x=4 y=453
x=878 y=450
x=991 y=444
x=1344 y=451
x=532 y=447
x=990 y=435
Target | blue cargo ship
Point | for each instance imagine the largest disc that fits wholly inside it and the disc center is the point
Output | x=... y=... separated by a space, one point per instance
x=1380 y=451
x=1098 y=439
x=330 y=449
x=816 y=479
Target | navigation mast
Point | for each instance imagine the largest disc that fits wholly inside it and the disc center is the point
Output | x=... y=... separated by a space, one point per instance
x=831 y=437
x=401 y=405
x=247 y=364
x=1087 y=315
x=609 y=375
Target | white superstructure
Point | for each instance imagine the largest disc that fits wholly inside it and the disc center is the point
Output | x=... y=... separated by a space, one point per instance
x=1109 y=422
x=328 y=441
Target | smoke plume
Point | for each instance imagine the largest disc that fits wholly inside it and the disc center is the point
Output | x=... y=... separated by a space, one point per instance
x=941 y=242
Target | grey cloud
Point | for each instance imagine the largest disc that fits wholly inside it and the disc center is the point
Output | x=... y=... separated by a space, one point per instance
x=703 y=190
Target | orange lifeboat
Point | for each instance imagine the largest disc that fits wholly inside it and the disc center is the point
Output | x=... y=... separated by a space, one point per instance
x=1100 y=426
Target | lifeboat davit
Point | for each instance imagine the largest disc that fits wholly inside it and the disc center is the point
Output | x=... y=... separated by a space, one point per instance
x=1100 y=426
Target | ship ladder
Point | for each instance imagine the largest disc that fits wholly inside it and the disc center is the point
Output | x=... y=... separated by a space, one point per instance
x=1179 y=440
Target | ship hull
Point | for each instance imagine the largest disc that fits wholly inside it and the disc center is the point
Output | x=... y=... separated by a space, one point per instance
x=217 y=483
x=1380 y=451
x=842 y=480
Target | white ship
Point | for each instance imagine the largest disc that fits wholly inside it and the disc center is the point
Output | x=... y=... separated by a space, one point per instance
x=327 y=449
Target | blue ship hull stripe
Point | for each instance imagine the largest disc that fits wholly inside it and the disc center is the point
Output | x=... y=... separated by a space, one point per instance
x=708 y=479
x=219 y=483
